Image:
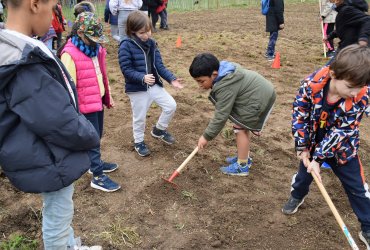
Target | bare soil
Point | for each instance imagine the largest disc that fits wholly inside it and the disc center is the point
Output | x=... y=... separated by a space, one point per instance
x=209 y=210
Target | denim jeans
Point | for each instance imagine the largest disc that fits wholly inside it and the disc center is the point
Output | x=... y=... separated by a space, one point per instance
x=57 y=217
x=272 y=42
x=163 y=16
x=122 y=21
x=97 y=120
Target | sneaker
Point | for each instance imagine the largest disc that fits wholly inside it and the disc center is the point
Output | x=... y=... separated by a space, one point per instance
x=233 y=159
x=270 y=58
x=365 y=238
x=292 y=205
x=236 y=169
x=267 y=55
x=330 y=54
x=324 y=165
x=78 y=246
x=142 y=149
x=163 y=135
x=107 y=167
x=104 y=183
x=164 y=28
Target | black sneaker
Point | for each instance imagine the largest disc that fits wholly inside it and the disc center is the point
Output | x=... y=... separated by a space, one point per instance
x=142 y=149
x=267 y=55
x=164 y=28
x=365 y=238
x=163 y=135
x=292 y=205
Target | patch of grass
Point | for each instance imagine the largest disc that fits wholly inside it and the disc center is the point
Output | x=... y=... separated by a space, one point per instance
x=189 y=195
x=228 y=133
x=179 y=226
x=119 y=235
x=19 y=242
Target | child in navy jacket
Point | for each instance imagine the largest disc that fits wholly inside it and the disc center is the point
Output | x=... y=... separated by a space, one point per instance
x=141 y=64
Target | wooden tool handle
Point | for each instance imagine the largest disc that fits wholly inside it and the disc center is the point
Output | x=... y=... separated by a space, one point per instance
x=187 y=160
x=350 y=240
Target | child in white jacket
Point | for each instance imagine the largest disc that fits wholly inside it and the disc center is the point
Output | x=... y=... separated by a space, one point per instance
x=123 y=8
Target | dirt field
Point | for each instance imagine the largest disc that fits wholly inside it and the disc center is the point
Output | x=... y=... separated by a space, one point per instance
x=209 y=210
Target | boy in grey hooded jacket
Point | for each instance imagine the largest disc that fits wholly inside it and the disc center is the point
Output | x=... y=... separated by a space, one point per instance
x=243 y=96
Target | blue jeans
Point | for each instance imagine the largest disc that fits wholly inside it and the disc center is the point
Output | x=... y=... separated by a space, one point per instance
x=57 y=217
x=163 y=16
x=97 y=120
x=272 y=42
x=351 y=176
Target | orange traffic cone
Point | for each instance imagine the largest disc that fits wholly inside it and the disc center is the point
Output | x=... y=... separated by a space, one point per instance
x=178 y=42
x=276 y=63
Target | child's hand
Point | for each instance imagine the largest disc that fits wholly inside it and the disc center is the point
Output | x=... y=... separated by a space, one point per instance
x=325 y=40
x=304 y=156
x=177 y=83
x=362 y=43
x=202 y=142
x=149 y=79
x=281 y=26
x=315 y=167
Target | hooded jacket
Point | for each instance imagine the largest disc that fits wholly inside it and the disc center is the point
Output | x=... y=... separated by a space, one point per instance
x=352 y=24
x=241 y=95
x=43 y=137
x=341 y=141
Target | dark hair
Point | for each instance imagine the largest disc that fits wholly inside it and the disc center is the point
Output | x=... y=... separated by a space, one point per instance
x=136 y=21
x=73 y=33
x=203 y=65
x=353 y=65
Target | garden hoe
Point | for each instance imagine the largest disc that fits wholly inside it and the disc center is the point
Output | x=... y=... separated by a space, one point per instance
x=344 y=228
x=178 y=170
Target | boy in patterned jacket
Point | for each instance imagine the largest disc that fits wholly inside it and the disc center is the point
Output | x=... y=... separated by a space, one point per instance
x=327 y=112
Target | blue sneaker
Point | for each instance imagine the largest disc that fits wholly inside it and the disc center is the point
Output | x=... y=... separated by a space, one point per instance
x=233 y=159
x=142 y=149
x=236 y=169
x=163 y=135
x=107 y=167
x=324 y=165
x=104 y=183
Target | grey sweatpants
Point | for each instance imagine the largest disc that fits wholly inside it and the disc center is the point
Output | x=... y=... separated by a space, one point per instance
x=140 y=103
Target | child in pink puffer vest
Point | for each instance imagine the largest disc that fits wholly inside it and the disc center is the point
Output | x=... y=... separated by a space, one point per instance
x=84 y=58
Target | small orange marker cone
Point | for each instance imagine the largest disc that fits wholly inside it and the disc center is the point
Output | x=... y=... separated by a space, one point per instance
x=178 y=42
x=276 y=63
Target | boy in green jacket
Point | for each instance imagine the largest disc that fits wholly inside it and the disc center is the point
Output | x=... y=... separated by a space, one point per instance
x=243 y=96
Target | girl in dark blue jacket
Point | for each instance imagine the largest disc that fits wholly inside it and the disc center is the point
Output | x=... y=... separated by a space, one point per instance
x=142 y=66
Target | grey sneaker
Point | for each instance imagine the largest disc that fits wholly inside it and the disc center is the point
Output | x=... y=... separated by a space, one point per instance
x=365 y=238
x=292 y=205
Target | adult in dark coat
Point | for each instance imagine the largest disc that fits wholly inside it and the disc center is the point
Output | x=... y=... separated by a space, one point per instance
x=352 y=24
x=274 y=23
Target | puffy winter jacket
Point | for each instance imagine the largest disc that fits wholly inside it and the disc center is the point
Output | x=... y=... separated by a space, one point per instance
x=352 y=24
x=342 y=139
x=43 y=137
x=133 y=62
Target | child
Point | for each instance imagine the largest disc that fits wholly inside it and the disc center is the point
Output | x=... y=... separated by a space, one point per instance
x=243 y=96
x=43 y=136
x=58 y=24
x=162 y=12
x=274 y=23
x=84 y=58
x=123 y=8
x=113 y=21
x=83 y=6
x=327 y=113
x=328 y=15
x=352 y=24
x=141 y=64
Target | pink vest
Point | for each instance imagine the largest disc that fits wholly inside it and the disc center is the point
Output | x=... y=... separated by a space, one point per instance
x=88 y=92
